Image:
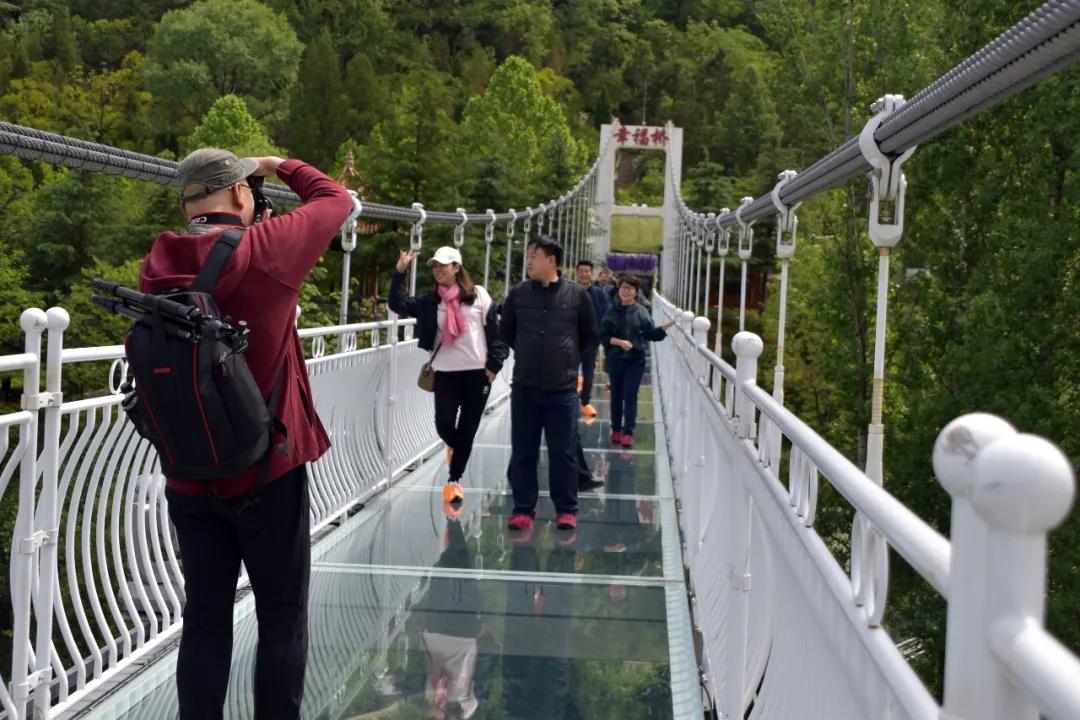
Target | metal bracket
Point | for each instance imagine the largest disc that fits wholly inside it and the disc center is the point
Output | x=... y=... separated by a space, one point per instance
x=489 y=229
x=510 y=224
x=40 y=401
x=23 y=690
x=746 y=230
x=527 y=226
x=416 y=233
x=459 y=229
x=787 y=222
x=887 y=181
x=30 y=545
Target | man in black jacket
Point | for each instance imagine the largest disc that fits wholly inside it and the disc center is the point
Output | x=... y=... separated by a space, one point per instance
x=548 y=321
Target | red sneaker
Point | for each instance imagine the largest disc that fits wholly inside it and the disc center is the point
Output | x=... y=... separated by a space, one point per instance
x=616 y=437
x=627 y=440
x=520 y=521
x=566 y=521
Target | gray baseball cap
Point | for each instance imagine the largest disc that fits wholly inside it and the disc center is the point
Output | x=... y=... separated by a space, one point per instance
x=213 y=169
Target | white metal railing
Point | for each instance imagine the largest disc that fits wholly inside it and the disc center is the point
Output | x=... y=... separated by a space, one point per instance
x=785 y=629
x=96 y=580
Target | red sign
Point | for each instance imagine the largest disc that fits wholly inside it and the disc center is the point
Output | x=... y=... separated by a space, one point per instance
x=641 y=136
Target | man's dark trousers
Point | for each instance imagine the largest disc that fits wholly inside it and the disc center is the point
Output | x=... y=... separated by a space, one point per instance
x=532 y=412
x=588 y=370
x=270 y=532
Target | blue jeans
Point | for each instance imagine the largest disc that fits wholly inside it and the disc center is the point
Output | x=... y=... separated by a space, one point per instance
x=554 y=414
x=625 y=376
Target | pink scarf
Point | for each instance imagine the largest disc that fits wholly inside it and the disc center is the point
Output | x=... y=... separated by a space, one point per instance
x=455 y=319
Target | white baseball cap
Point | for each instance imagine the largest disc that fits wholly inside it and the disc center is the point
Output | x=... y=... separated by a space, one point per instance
x=444 y=256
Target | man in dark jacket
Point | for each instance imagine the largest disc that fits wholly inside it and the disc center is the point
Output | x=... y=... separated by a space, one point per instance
x=547 y=320
x=261 y=516
x=588 y=355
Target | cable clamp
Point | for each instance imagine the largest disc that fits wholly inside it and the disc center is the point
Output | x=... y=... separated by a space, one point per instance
x=348 y=228
x=710 y=235
x=887 y=181
x=489 y=229
x=746 y=230
x=416 y=233
x=459 y=229
x=787 y=222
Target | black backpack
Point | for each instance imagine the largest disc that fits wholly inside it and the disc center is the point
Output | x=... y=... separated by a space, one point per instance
x=192 y=394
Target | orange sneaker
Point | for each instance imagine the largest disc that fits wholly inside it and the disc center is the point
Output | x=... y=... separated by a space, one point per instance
x=452 y=511
x=588 y=410
x=452 y=493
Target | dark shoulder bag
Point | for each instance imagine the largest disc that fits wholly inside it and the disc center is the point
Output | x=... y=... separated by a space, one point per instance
x=426 y=380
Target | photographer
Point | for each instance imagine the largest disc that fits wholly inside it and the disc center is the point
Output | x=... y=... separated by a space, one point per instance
x=259 y=517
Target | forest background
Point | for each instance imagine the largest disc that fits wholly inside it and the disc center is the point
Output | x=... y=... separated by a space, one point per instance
x=497 y=103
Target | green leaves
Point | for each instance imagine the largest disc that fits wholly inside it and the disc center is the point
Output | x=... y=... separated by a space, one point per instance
x=221 y=47
x=229 y=125
x=514 y=129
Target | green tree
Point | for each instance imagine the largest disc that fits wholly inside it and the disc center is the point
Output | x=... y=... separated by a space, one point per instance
x=409 y=157
x=516 y=122
x=221 y=47
x=318 y=113
x=229 y=125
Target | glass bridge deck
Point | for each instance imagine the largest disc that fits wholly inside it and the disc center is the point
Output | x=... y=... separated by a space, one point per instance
x=592 y=624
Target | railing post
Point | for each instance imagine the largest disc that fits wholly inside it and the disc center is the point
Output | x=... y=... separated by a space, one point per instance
x=701 y=327
x=747 y=347
x=48 y=515
x=686 y=318
x=25 y=540
x=1008 y=491
x=391 y=401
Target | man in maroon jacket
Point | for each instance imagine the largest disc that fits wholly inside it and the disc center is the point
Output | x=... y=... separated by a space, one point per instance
x=264 y=524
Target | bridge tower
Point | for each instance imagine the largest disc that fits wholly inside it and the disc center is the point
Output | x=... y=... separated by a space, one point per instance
x=613 y=137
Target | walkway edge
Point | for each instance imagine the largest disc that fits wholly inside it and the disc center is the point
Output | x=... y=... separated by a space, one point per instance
x=685 y=674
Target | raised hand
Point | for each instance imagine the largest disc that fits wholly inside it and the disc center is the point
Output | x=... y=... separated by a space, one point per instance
x=405 y=259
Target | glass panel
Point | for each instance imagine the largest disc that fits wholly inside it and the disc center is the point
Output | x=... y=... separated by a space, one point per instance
x=474 y=648
x=615 y=536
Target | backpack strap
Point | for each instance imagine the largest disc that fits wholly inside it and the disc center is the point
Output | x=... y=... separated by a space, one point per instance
x=210 y=272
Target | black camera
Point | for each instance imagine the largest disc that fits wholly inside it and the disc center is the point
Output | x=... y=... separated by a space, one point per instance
x=262 y=202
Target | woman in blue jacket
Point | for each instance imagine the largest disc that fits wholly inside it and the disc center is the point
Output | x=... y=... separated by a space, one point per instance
x=624 y=331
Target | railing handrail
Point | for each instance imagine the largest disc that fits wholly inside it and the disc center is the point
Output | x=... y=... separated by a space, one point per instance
x=925 y=549
x=353 y=327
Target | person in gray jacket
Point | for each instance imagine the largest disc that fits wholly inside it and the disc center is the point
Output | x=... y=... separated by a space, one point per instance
x=547 y=320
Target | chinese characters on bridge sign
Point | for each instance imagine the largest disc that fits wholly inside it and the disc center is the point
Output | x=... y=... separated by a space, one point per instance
x=641 y=136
